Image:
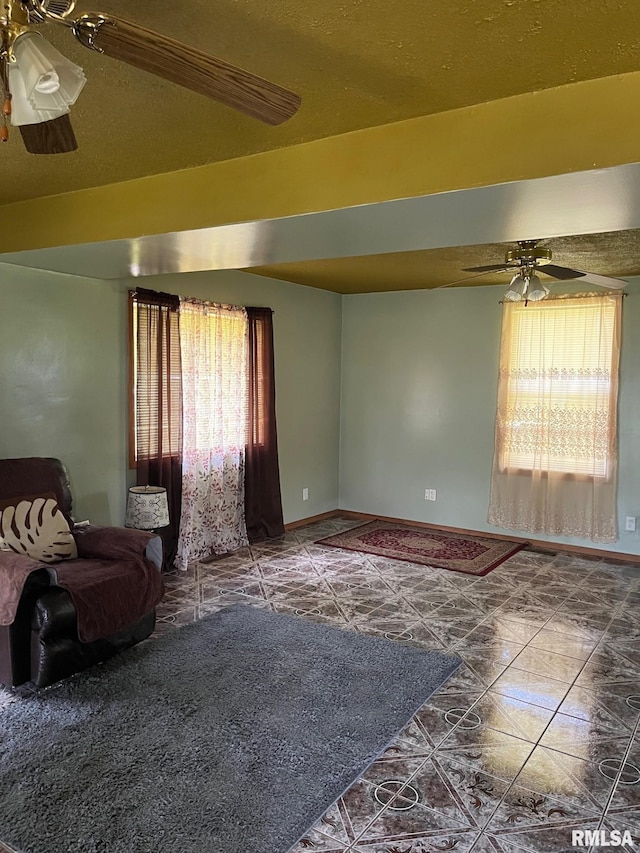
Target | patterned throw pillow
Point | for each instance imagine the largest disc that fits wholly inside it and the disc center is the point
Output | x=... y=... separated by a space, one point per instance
x=38 y=529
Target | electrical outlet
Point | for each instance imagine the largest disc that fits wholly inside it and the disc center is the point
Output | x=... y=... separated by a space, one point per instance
x=630 y=523
x=305 y=494
x=430 y=494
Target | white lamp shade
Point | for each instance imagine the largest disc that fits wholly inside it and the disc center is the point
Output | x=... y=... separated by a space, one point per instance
x=536 y=290
x=21 y=110
x=51 y=81
x=516 y=290
x=147 y=508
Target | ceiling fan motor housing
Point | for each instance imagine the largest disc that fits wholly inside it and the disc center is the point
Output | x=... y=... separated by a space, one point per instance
x=528 y=254
x=42 y=10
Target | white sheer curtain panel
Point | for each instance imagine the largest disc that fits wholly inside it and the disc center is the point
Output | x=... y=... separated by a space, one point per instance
x=213 y=343
x=555 y=461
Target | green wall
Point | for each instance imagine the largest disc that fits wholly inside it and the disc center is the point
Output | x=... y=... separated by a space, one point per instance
x=63 y=379
x=379 y=396
x=419 y=384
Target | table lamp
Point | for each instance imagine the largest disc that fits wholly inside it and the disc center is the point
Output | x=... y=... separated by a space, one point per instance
x=147 y=508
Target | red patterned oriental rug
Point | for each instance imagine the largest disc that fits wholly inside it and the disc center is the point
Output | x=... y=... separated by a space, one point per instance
x=472 y=555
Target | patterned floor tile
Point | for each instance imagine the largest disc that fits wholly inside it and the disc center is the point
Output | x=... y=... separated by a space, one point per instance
x=534 y=615
x=531 y=688
x=560 y=776
x=509 y=715
x=460 y=842
x=624 y=818
x=443 y=713
x=551 y=641
x=480 y=664
x=589 y=739
x=505 y=626
x=390 y=768
x=506 y=757
x=494 y=754
x=479 y=793
x=318 y=841
x=359 y=807
x=609 y=705
x=557 y=838
x=607 y=665
x=525 y=809
x=332 y=825
x=403 y=820
x=542 y=662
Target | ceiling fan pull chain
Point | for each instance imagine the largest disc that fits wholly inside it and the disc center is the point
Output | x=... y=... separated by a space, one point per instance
x=6 y=108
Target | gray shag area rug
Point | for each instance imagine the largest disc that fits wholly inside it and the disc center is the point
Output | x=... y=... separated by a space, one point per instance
x=233 y=734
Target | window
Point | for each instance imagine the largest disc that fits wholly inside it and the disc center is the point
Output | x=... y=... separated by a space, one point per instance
x=558 y=386
x=155 y=378
x=215 y=382
x=203 y=421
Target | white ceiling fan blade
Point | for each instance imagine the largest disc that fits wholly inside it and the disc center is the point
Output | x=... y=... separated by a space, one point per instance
x=602 y=280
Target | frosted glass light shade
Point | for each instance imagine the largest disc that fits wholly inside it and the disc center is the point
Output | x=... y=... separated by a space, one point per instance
x=51 y=81
x=21 y=110
x=516 y=290
x=536 y=290
x=147 y=508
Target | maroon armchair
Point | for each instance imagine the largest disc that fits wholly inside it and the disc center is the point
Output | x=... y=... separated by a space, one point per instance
x=57 y=618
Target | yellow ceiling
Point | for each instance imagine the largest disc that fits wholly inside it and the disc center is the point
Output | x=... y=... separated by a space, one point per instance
x=613 y=253
x=402 y=99
x=355 y=64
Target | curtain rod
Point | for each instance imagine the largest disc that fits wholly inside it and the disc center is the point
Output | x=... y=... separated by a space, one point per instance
x=562 y=296
x=134 y=293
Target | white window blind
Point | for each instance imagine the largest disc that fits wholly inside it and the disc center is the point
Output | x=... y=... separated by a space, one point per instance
x=156 y=381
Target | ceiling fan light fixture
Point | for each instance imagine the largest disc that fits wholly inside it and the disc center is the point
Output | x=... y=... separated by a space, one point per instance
x=51 y=81
x=517 y=289
x=536 y=289
x=48 y=83
x=22 y=112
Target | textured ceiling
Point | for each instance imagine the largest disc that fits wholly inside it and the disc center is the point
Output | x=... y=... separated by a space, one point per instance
x=355 y=64
x=614 y=253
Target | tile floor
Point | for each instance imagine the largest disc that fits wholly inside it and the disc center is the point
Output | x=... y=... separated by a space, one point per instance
x=535 y=736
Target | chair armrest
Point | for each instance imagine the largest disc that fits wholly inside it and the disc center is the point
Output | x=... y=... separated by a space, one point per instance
x=154 y=552
x=110 y=543
x=10 y=561
x=14 y=572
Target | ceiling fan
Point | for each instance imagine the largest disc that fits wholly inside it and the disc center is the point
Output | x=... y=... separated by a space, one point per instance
x=529 y=259
x=40 y=85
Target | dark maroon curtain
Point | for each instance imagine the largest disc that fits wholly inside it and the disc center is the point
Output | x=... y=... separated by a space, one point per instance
x=263 y=502
x=158 y=390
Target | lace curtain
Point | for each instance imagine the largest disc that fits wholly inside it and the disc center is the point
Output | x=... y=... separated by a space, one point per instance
x=213 y=343
x=555 y=460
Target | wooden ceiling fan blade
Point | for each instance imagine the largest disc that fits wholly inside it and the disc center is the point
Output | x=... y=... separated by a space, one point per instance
x=187 y=66
x=55 y=136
